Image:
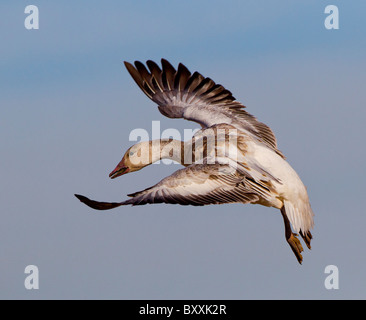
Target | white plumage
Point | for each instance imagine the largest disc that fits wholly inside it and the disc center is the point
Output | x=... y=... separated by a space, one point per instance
x=234 y=158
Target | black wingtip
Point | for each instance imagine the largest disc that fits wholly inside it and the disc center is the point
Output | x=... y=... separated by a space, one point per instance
x=80 y=197
x=98 y=205
x=128 y=65
x=167 y=65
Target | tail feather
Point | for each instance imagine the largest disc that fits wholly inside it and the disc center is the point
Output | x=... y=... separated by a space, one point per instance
x=301 y=216
x=307 y=238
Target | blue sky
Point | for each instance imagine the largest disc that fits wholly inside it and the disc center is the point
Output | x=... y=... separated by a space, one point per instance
x=68 y=105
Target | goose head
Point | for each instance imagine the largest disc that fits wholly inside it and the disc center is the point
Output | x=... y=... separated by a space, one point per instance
x=135 y=158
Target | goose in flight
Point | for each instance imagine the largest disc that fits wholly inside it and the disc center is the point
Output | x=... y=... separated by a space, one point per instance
x=233 y=158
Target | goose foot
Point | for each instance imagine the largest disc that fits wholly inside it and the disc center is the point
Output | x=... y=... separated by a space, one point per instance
x=296 y=246
x=291 y=237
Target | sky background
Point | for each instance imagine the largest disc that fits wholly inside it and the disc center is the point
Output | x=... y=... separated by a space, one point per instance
x=68 y=105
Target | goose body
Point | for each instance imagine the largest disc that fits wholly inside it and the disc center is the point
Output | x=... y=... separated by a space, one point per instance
x=233 y=158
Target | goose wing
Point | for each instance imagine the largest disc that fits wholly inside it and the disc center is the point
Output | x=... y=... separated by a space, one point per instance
x=180 y=94
x=197 y=185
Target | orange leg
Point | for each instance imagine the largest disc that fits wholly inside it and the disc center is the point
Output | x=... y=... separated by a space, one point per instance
x=291 y=237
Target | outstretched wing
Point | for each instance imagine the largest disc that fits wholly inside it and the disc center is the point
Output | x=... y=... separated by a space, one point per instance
x=197 y=185
x=180 y=94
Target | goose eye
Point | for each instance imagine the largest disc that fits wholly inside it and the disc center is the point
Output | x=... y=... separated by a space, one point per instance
x=131 y=153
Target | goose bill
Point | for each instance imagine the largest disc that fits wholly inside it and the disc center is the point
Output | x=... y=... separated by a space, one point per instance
x=119 y=171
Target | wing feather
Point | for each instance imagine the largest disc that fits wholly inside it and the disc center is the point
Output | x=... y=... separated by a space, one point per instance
x=197 y=185
x=180 y=94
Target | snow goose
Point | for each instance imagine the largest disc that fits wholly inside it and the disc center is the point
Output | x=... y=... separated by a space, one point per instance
x=243 y=165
